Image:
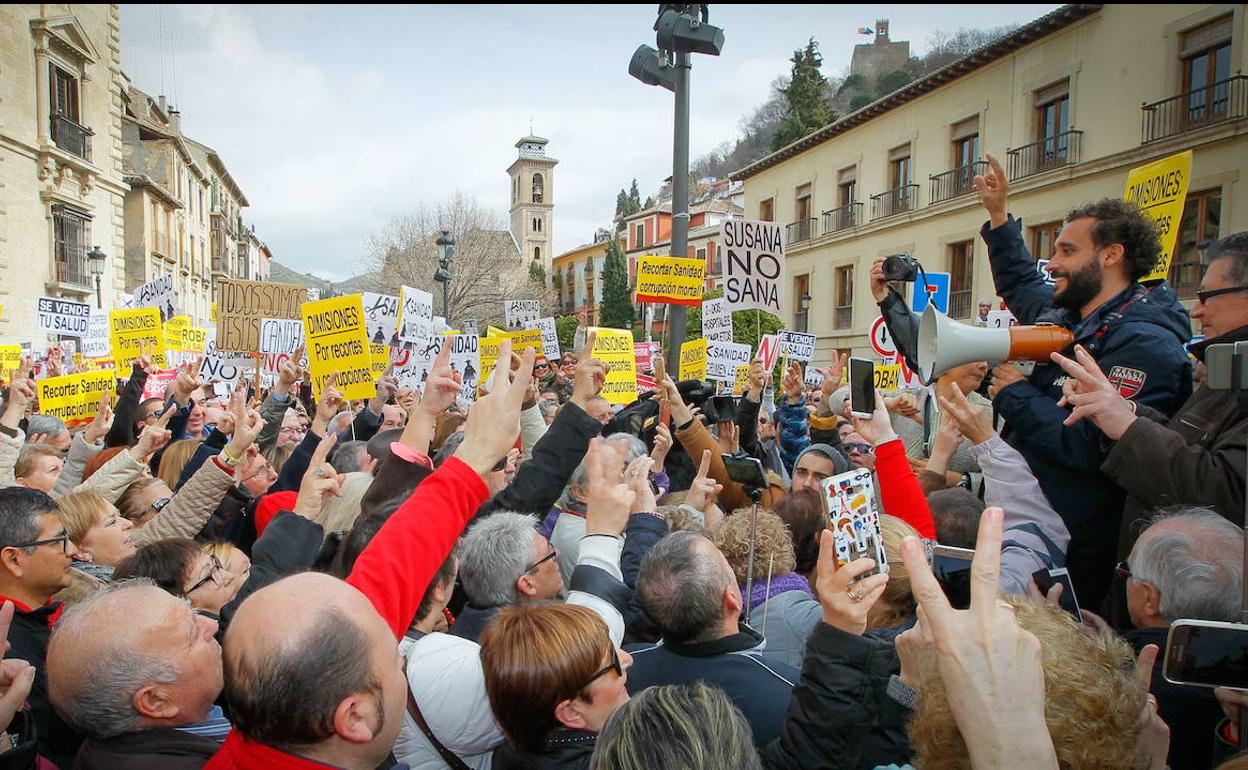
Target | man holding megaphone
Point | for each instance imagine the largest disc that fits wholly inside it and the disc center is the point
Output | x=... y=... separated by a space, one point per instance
x=1135 y=333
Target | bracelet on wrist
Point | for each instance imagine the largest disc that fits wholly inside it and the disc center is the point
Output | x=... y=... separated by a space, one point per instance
x=228 y=458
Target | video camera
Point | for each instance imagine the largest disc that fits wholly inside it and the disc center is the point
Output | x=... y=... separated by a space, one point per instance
x=901 y=267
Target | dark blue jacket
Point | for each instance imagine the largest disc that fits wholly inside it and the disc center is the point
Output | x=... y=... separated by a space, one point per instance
x=1137 y=338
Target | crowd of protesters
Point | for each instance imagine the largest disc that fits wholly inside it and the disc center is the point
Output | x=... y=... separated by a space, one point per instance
x=534 y=580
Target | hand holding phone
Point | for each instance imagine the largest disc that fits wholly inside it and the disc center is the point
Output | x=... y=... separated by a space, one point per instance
x=1207 y=653
x=861 y=387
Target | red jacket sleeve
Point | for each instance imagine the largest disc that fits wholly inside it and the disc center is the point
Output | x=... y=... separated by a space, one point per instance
x=900 y=493
x=396 y=567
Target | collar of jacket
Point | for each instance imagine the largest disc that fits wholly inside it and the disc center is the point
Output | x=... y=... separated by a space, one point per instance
x=1235 y=335
x=163 y=740
x=745 y=640
x=564 y=736
x=1086 y=326
x=49 y=613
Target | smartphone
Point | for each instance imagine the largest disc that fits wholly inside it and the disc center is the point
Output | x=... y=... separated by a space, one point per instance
x=952 y=567
x=725 y=407
x=861 y=387
x=1207 y=653
x=1046 y=578
x=747 y=471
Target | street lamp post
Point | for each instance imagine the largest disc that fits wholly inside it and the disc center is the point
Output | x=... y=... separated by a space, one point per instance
x=680 y=32
x=96 y=260
x=443 y=275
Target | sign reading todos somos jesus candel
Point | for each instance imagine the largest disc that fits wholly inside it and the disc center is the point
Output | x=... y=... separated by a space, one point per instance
x=753 y=265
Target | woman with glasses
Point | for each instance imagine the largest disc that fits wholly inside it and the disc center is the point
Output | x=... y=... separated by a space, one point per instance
x=103 y=539
x=181 y=567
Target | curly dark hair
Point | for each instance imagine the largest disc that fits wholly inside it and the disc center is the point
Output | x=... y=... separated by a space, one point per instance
x=1119 y=221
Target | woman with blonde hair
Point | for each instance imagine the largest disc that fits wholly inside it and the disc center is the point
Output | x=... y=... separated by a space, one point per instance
x=102 y=537
x=174 y=459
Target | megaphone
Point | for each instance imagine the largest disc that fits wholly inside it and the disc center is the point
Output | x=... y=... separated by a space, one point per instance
x=945 y=343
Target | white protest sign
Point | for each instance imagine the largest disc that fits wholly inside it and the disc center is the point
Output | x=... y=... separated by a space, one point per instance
x=1000 y=319
x=158 y=293
x=550 y=338
x=813 y=377
x=769 y=351
x=440 y=326
x=753 y=265
x=381 y=318
x=63 y=316
x=95 y=344
x=411 y=367
x=797 y=346
x=723 y=358
x=415 y=306
x=716 y=320
x=222 y=367
x=469 y=326
x=519 y=312
x=280 y=335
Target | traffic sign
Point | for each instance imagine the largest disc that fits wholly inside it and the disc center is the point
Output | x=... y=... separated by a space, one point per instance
x=937 y=288
x=882 y=339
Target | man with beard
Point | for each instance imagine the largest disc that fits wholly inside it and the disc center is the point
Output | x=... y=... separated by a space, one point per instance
x=1134 y=333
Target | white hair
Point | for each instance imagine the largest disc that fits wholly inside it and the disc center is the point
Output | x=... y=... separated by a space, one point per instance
x=1196 y=563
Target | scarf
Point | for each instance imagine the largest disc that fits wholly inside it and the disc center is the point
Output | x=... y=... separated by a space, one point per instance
x=780 y=584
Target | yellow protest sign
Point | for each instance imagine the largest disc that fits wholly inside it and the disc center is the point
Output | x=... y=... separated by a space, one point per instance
x=887 y=377
x=75 y=398
x=337 y=341
x=742 y=382
x=194 y=338
x=379 y=355
x=10 y=357
x=1160 y=189
x=529 y=338
x=670 y=280
x=494 y=331
x=128 y=329
x=488 y=355
x=614 y=347
x=693 y=360
x=174 y=328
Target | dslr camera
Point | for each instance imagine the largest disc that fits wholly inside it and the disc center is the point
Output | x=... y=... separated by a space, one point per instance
x=900 y=267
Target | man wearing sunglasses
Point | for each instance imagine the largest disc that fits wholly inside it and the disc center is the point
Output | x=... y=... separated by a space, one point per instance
x=1196 y=457
x=35 y=558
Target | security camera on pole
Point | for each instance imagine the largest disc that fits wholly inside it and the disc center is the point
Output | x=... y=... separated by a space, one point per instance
x=681 y=30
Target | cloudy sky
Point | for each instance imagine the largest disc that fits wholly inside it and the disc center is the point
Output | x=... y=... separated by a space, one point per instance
x=334 y=119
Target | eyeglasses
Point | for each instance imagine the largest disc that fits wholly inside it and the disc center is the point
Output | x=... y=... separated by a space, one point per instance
x=214 y=575
x=862 y=449
x=1204 y=296
x=293 y=429
x=63 y=539
x=553 y=553
x=1123 y=570
x=614 y=665
x=541 y=366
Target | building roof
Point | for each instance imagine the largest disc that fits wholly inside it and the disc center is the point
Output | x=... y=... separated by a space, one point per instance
x=977 y=59
x=531 y=139
x=210 y=159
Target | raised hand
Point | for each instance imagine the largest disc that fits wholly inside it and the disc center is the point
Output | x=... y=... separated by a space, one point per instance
x=703 y=490
x=879 y=286
x=16 y=675
x=637 y=476
x=21 y=395
x=186 y=383
x=289 y=373
x=247 y=426
x=757 y=381
x=670 y=397
x=994 y=189
x=608 y=499
x=792 y=385
x=327 y=407
x=100 y=425
x=729 y=437
x=591 y=374
x=973 y=422
x=319 y=481
x=877 y=428
x=494 y=421
x=443 y=385
x=662 y=445
x=846 y=599
x=154 y=436
x=832 y=375
x=1093 y=396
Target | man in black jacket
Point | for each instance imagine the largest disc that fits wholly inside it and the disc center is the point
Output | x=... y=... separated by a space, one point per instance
x=688 y=589
x=35 y=557
x=129 y=686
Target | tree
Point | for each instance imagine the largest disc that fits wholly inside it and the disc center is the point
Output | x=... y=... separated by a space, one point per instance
x=806 y=96
x=616 y=309
x=891 y=82
x=487 y=268
x=565 y=329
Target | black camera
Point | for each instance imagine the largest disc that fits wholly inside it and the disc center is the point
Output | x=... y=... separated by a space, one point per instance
x=900 y=267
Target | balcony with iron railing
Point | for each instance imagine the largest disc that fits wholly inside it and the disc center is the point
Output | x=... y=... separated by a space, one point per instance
x=71 y=137
x=955 y=182
x=1216 y=103
x=73 y=267
x=842 y=218
x=801 y=230
x=960 y=304
x=1044 y=155
x=895 y=201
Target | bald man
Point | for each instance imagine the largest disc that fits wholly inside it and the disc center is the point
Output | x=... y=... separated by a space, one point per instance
x=312 y=668
x=127 y=686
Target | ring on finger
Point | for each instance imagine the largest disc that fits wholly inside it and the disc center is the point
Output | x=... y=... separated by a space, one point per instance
x=320 y=472
x=854 y=594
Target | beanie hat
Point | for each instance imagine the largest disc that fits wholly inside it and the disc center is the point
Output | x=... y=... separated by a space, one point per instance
x=840 y=463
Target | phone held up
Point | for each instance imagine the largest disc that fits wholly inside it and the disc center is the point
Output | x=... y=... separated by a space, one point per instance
x=862 y=387
x=1207 y=653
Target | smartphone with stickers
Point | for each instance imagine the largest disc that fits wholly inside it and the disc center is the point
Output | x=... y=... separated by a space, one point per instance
x=854 y=517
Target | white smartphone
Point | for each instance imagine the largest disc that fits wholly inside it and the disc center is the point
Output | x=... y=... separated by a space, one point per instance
x=861 y=387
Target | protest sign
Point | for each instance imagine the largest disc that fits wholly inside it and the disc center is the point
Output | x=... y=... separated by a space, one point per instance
x=172 y=331
x=670 y=280
x=769 y=351
x=217 y=366
x=798 y=346
x=75 y=398
x=62 y=316
x=158 y=293
x=130 y=329
x=644 y=353
x=812 y=377
x=1160 y=189
x=279 y=335
x=742 y=380
x=550 y=338
x=887 y=377
x=242 y=304
x=194 y=338
x=488 y=355
x=469 y=326
x=1001 y=319
x=519 y=312
x=159 y=381
x=69 y=349
x=313 y=294
x=440 y=326
x=337 y=342
x=95 y=343
x=379 y=356
x=754 y=265
x=529 y=338
x=692 y=360
x=465 y=360
x=646 y=384
x=716 y=320
x=10 y=357
x=415 y=322
x=381 y=318
x=723 y=358
x=614 y=347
